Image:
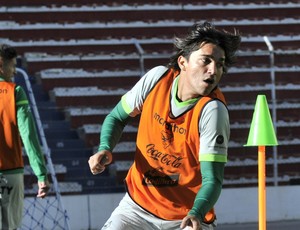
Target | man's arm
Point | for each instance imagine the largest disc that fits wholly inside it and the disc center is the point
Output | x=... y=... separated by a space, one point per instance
x=207 y=196
x=112 y=127
x=31 y=142
x=29 y=136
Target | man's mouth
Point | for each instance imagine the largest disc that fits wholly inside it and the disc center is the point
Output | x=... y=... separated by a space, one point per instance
x=209 y=81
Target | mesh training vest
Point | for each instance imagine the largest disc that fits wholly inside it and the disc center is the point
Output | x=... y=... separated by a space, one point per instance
x=165 y=176
x=10 y=141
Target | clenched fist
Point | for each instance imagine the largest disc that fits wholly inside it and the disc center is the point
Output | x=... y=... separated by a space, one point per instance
x=99 y=160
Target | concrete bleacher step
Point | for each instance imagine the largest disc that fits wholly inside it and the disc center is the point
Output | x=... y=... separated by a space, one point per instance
x=284 y=93
x=86 y=115
x=61 y=134
x=46 y=108
x=53 y=78
x=240 y=76
x=66 y=143
x=59 y=130
x=40 y=61
x=69 y=153
x=282 y=132
x=68 y=149
x=286 y=147
x=289 y=148
x=59 y=169
x=56 y=125
x=165 y=10
x=76 y=161
x=48 y=113
x=90 y=115
x=241 y=113
x=163 y=27
x=91 y=134
x=85 y=96
x=79 y=169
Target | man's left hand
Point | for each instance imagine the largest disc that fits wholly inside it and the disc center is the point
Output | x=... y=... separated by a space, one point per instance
x=191 y=222
x=44 y=187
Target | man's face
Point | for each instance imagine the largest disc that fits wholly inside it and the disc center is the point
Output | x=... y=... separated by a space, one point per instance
x=8 y=69
x=202 y=71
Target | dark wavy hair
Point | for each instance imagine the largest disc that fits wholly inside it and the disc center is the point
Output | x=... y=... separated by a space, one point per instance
x=7 y=52
x=206 y=33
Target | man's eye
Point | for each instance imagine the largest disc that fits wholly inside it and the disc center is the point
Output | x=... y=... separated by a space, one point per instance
x=206 y=61
x=220 y=64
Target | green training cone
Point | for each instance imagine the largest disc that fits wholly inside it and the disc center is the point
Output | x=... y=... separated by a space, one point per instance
x=261 y=131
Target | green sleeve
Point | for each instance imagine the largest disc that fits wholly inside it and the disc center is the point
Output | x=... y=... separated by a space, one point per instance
x=29 y=136
x=112 y=127
x=207 y=196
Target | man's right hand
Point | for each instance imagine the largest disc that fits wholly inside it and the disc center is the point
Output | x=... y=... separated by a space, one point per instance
x=99 y=160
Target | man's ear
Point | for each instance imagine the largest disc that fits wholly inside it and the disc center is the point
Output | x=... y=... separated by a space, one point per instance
x=182 y=62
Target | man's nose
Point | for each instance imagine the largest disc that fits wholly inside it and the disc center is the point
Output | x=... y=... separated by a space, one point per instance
x=212 y=68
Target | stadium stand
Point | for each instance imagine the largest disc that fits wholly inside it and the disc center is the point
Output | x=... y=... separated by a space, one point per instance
x=83 y=55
